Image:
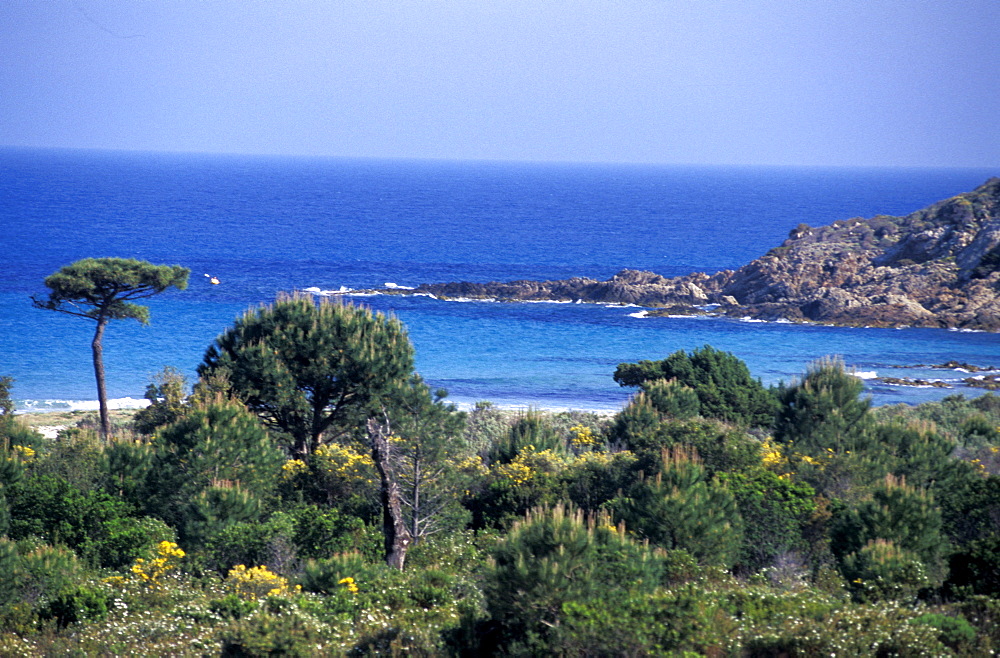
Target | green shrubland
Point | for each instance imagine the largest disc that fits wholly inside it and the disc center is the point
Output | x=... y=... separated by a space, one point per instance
x=262 y=516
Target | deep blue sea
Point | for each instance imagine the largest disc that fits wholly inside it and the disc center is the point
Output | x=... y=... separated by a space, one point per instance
x=266 y=224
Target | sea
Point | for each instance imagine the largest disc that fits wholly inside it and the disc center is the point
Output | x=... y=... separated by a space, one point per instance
x=262 y=225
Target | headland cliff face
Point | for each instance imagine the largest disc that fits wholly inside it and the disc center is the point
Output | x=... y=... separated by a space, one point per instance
x=937 y=267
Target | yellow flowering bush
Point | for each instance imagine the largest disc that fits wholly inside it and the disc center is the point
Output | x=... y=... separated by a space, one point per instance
x=546 y=461
x=349 y=584
x=472 y=465
x=583 y=437
x=342 y=471
x=345 y=463
x=515 y=473
x=528 y=464
x=167 y=560
x=257 y=583
x=293 y=468
x=772 y=457
x=24 y=453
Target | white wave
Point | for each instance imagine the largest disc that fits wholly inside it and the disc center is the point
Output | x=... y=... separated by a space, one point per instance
x=395 y=286
x=747 y=318
x=314 y=290
x=967 y=331
x=865 y=374
x=39 y=406
x=640 y=314
x=462 y=300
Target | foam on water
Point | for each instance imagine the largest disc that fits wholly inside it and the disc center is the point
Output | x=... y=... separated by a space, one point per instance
x=42 y=406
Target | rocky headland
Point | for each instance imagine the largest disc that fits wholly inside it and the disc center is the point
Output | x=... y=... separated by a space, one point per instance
x=937 y=267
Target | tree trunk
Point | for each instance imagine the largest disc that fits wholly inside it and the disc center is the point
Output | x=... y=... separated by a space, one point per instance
x=102 y=393
x=415 y=497
x=397 y=537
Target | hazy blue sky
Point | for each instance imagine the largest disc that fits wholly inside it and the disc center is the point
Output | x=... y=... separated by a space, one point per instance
x=803 y=82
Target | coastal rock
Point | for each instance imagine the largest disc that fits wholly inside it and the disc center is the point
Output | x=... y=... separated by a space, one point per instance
x=937 y=267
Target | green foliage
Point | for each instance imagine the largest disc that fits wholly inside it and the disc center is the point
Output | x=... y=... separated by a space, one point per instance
x=976 y=568
x=672 y=399
x=126 y=467
x=970 y=505
x=166 y=394
x=76 y=604
x=774 y=511
x=596 y=477
x=268 y=634
x=307 y=369
x=822 y=411
x=915 y=451
x=269 y=543
x=532 y=478
x=682 y=509
x=129 y=538
x=330 y=575
x=218 y=508
x=721 y=447
x=6 y=404
x=218 y=445
x=13 y=432
x=104 y=289
x=93 y=523
x=75 y=457
x=486 y=426
x=634 y=424
x=721 y=381
x=320 y=532
x=425 y=453
x=851 y=570
x=34 y=576
x=530 y=429
x=882 y=571
x=555 y=558
x=905 y=516
x=954 y=632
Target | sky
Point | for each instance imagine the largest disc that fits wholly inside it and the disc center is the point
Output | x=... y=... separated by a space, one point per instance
x=741 y=82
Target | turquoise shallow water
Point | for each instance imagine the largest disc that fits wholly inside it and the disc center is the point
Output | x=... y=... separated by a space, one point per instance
x=263 y=225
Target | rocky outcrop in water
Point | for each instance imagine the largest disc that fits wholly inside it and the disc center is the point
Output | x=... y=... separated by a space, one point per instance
x=937 y=267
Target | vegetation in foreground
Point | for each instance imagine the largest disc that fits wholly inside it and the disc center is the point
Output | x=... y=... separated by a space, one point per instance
x=313 y=496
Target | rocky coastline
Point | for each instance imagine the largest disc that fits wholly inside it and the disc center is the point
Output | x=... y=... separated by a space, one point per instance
x=936 y=267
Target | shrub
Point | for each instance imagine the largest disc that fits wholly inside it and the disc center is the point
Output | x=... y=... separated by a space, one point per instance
x=881 y=571
x=722 y=382
x=682 y=508
x=954 y=632
x=257 y=583
x=552 y=559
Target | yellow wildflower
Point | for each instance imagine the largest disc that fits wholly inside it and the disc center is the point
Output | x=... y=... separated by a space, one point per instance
x=293 y=467
x=349 y=584
x=583 y=437
x=257 y=583
x=26 y=453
